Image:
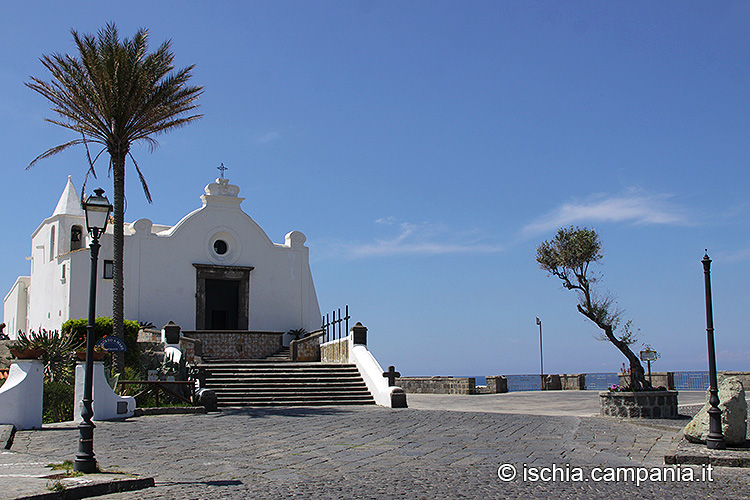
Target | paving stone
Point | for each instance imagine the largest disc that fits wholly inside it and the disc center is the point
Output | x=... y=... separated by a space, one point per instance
x=371 y=452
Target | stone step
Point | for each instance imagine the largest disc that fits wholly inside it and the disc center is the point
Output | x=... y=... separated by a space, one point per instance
x=341 y=402
x=272 y=382
x=287 y=388
x=283 y=369
x=286 y=383
x=261 y=364
x=314 y=395
x=294 y=399
x=281 y=376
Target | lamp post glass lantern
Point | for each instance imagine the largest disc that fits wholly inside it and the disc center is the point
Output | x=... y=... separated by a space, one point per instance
x=97 y=209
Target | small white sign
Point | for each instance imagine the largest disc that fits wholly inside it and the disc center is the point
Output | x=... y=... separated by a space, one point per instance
x=648 y=355
x=153 y=375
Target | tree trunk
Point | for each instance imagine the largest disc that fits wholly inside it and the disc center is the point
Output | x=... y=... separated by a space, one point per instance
x=118 y=288
x=638 y=380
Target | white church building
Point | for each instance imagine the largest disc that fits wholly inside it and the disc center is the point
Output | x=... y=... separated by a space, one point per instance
x=216 y=269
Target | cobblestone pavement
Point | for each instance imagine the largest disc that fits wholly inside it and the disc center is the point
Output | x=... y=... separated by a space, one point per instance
x=379 y=453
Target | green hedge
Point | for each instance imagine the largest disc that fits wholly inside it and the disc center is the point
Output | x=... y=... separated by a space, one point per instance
x=58 y=402
x=103 y=326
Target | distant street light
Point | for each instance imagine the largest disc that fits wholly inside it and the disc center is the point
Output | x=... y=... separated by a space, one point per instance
x=715 y=439
x=541 y=356
x=97 y=210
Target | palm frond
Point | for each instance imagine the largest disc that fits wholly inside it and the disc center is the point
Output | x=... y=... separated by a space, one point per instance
x=115 y=93
x=146 y=192
x=54 y=151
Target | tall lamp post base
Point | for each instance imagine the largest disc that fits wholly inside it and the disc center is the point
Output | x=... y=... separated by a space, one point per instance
x=85 y=461
x=715 y=438
x=97 y=209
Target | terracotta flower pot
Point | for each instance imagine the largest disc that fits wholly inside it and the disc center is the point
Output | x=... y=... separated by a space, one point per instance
x=98 y=355
x=27 y=353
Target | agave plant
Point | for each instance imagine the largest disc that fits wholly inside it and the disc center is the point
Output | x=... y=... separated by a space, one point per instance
x=59 y=351
x=298 y=333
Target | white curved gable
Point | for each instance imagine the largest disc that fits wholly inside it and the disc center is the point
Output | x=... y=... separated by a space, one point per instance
x=162 y=270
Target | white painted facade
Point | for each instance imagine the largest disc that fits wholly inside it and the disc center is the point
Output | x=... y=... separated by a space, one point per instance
x=160 y=273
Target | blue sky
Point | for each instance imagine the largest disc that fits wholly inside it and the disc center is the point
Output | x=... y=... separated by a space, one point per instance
x=427 y=148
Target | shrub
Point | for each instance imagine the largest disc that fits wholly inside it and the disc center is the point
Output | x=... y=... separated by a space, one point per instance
x=58 y=404
x=103 y=326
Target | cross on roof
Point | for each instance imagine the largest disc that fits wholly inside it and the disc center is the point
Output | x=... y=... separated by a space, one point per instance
x=391 y=375
x=222 y=168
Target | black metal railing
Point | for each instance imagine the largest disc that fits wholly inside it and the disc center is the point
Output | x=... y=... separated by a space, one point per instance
x=691 y=381
x=336 y=327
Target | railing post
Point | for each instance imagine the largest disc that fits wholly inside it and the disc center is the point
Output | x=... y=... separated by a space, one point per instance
x=359 y=334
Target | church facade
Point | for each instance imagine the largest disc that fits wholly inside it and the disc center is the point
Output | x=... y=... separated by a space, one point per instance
x=216 y=269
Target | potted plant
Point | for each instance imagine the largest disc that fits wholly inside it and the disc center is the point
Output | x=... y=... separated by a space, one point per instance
x=26 y=347
x=298 y=333
x=99 y=354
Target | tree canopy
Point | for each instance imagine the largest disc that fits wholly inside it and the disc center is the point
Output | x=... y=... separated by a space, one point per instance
x=114 y=93
x=568 y=256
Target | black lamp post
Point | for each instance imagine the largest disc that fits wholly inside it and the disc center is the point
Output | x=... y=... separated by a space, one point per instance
x=97 y=210
x=541 y=357
x=715 y=439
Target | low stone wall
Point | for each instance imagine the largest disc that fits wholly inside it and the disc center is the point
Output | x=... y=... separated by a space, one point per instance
x=336 y=351
x=497 y=384
x=437 y=385
x=658 y=379
x=5 y=354
x=306 y=349
x=237 y=344
x=149 y=335
x=191 y=349
x=647 y=404
x=573 y=382
x=743 y=376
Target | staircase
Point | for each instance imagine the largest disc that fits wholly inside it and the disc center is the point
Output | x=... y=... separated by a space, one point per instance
x=276 y=381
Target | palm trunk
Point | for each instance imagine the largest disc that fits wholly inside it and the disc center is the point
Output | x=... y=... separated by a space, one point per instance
x=118 y=288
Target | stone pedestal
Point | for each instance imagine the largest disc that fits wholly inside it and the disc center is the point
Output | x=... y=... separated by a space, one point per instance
x=107 y=405
x=646 y=404
x=497 y=384
x=21 y=395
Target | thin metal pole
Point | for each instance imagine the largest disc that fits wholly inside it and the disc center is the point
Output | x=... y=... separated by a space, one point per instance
x=541 y=355
x=85 y=461
x=347 y=319
x=715 y=439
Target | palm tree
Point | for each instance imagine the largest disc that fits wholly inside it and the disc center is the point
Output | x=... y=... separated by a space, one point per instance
x=115 y=94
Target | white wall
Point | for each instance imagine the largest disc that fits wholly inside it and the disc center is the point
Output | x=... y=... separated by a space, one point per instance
x=15 y=307
x=160 y=280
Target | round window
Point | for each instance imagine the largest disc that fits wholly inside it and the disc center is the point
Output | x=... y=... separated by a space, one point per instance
x=220 y=247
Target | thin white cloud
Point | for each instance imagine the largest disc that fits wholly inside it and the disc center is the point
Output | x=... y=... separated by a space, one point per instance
x=634 y=206
x=420 y=239
x=733 y=356
x=742 y=255
x=268 y=137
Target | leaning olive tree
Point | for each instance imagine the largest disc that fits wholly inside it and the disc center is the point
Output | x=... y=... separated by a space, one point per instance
x=568 y=256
